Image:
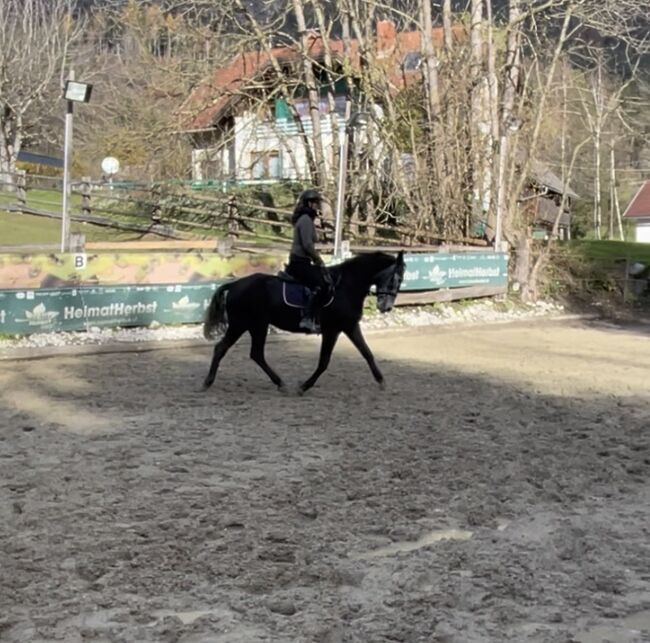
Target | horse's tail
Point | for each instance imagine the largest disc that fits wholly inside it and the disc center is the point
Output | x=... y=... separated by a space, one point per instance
x=216 y=318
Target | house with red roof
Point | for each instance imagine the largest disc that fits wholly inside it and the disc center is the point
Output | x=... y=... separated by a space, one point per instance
x=245 y=130
x=638 y=212
x=241 y=125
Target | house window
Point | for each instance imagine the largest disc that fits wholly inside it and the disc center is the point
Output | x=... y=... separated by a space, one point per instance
x=208 y=164
x=283 y=111
x=266 y=165
x=412 y=61
x=302 y=106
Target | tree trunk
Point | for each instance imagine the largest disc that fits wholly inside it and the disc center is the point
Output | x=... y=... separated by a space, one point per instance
x=447 y=26
x=616 y=202
x=362 y=17
x=510 y=83
x=597 y=185
x=493 y=114
x=619 y=219
x=597 y=90
x=476 y=41
x=331 y=94
x=313 y=96
x=430 y=60
x=10 y=144
x=612 y=189
x=523 y=259
x=436 y=149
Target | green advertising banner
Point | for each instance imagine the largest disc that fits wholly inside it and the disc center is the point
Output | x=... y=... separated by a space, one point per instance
x=433 y=271
x=45 y=310
x=70 y=307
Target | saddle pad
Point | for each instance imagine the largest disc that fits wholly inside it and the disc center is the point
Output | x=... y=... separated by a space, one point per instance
x=296 y=295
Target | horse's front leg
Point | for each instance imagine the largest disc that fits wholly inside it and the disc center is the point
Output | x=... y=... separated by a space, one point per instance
x=356 y=337
x=326 y=348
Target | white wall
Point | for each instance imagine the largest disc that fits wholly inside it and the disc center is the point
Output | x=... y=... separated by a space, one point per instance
x=218 y=154
x=643 y=232
x=253 y=135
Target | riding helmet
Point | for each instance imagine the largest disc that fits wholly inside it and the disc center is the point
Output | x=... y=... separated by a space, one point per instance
x=310 y=195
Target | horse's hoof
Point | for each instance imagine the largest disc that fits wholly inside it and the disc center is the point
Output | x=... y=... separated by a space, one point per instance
x=206 y=386
x=382 y=385
x=282 y=388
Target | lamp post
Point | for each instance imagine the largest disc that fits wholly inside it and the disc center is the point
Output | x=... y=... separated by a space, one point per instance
x=357 y=120
x=74 y=92
x=512 y=126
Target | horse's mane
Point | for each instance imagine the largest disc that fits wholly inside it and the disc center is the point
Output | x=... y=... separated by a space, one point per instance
x=362 y=260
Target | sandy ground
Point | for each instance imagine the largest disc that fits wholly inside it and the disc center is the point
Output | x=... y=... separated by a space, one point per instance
x=498 y=490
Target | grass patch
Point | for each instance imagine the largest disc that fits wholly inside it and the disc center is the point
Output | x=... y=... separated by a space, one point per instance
x=590 y=272
x=51 y=200
x=611 y=251
x=25 y=229
x=182 y=212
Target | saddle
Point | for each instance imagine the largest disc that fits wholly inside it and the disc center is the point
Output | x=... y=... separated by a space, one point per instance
x=295 y=294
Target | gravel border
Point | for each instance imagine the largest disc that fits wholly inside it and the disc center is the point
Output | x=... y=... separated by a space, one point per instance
x=484 y=311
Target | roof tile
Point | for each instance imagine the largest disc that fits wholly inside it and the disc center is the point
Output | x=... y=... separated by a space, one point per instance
x=640 y=205
x=206 y=102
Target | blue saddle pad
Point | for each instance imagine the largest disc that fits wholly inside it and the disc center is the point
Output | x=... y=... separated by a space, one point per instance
x=295 y=295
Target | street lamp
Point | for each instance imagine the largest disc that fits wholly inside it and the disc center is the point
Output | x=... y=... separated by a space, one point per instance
x=512 y=126
x=356 y=120
x=73 y=92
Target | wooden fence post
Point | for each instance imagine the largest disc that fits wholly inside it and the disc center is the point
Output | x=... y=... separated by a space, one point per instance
x=233 y=223
x=77 y=242
x=85 y=196
x=156 y=209
x=224 y=247
x=21 y=187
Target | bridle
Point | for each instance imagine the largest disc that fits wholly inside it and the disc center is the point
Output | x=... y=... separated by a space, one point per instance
x=395 y=289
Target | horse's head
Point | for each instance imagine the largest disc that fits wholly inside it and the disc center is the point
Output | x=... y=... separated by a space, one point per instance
x=388 y=282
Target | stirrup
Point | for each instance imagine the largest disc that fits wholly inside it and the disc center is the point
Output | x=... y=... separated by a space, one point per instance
x=309 y=324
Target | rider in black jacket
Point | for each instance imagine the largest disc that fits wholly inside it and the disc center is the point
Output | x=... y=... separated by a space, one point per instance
x=305 y=264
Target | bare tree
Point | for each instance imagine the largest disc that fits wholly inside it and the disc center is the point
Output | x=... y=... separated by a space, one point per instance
x=601 y=102
x=36 y=37
x=312 y=93
x=145 y=61
x=460 y=129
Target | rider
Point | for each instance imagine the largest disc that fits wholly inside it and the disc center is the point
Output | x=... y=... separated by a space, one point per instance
x=305 y=264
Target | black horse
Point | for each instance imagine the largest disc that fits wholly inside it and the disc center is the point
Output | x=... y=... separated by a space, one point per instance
x=252 y=303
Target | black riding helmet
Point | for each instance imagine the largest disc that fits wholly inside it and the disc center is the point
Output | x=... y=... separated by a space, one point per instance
x=310 y=195
x=303 y=203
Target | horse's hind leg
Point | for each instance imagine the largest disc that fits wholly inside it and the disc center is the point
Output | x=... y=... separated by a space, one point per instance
x=220 y=349
x=258 y=341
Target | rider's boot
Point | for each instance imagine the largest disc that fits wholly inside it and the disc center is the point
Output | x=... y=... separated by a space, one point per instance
x=308 y=322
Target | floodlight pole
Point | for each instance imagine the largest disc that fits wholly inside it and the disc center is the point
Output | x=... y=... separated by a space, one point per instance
x=340 y=196
x=352 y=121
x=501 y=190
x=67 y=154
